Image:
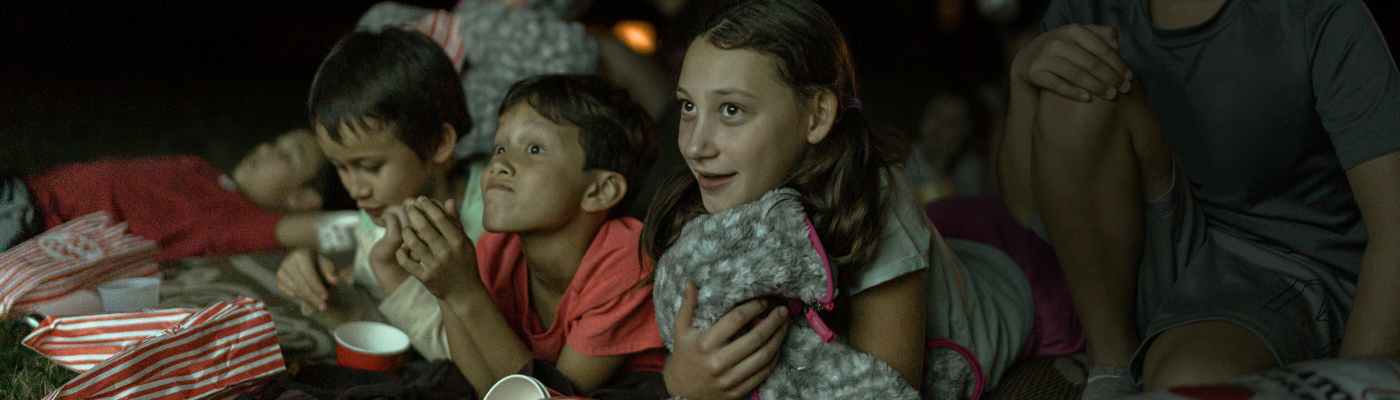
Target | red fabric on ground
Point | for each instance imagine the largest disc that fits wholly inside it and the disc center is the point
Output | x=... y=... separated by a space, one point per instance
x=176 y=201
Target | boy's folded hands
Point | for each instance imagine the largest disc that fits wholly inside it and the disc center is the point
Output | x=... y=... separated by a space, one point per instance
x=435 y=249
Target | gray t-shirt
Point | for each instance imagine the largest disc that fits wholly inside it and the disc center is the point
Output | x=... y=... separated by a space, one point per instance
x=1265 y=106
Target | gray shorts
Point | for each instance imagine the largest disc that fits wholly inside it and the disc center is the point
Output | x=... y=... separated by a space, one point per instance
x=1192 y=271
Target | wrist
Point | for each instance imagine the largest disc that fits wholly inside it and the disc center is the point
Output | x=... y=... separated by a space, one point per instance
x=466 y=303
x=669 y=382
x=389 y=277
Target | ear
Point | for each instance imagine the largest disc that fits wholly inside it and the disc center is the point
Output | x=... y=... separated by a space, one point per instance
x=304 y=199
x=604 y=192
x=443 y=153
x=822 y=116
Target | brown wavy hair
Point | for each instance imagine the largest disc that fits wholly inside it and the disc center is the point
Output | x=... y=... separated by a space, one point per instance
x=839 y=177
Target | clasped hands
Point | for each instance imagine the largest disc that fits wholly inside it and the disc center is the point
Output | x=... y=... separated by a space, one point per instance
x=425 y=239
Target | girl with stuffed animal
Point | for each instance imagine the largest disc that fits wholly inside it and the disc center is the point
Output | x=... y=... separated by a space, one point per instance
x=768 y=100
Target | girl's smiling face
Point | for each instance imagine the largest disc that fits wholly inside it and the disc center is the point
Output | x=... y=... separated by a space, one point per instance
x=742 y=129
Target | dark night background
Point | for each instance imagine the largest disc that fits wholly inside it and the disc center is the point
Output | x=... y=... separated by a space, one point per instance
x=82 y=80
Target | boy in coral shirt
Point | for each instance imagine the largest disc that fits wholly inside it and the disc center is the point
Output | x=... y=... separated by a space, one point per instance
x=556 y=275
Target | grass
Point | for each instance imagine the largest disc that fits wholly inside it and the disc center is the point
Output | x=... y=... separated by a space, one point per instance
x=24 y=373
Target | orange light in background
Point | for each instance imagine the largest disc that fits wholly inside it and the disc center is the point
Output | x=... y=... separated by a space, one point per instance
x=639 y=36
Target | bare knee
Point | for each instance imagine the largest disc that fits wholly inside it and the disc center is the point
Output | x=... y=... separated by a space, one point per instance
x=1204 y=353
x=1103 y=136
x=1068 y=127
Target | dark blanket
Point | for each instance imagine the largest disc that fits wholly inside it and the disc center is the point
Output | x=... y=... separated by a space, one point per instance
x=435 y=380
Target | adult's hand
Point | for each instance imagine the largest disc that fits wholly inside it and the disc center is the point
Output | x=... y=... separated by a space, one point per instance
x=1074 y=61
x=713 y=363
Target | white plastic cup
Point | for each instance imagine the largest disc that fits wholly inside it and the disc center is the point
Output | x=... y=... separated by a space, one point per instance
x=517 y=387
x=130 y=294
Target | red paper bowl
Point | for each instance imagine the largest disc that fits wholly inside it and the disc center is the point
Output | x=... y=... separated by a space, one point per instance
x=369 y=345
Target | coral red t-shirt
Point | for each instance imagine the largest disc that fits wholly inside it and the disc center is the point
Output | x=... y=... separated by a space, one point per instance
x=177 y=201
x=603 y=312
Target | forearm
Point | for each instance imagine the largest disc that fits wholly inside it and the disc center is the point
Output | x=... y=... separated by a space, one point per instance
x=1375 y=313
x=390 y=277
x=298 y=230
x=466 y=353
x=501 y=351
x=1372 y=328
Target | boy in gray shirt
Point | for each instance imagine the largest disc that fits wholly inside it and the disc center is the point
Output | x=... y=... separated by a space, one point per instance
x=1229 y=164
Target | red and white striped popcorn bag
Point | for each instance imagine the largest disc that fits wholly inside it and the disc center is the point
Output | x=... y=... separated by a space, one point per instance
x=77 y=255
x=211 y=353
x=444 y=28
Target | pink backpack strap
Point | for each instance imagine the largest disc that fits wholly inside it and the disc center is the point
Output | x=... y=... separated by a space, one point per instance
x=826 y=302
x=971 y=360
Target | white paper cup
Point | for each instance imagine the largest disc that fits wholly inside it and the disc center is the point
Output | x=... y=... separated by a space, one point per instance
x=517 y=387
x=130 y=294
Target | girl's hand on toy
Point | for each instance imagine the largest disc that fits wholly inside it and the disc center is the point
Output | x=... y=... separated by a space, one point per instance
x=1074 y=61
x=714 y=364
x=435 y=248
x=304 y=275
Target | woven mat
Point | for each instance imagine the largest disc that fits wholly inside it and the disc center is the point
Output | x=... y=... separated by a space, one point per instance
x=304 y=334
x=1043 y=378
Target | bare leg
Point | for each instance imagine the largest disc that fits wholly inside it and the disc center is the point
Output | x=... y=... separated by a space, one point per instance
x=1202 y=353
x=1086 y=169
x=1013 y=156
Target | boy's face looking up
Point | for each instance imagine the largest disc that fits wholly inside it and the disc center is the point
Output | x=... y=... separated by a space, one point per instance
x=536 y=179
x=276 y=175
x=376 y=168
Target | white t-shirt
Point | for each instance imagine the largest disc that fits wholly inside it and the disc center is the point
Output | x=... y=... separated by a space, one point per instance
x=408 y=307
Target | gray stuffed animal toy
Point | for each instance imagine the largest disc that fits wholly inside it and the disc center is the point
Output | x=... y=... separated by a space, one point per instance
x=760 y=249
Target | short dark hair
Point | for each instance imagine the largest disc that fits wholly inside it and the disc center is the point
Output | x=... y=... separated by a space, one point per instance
x=615 y=133
x=398 y=78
